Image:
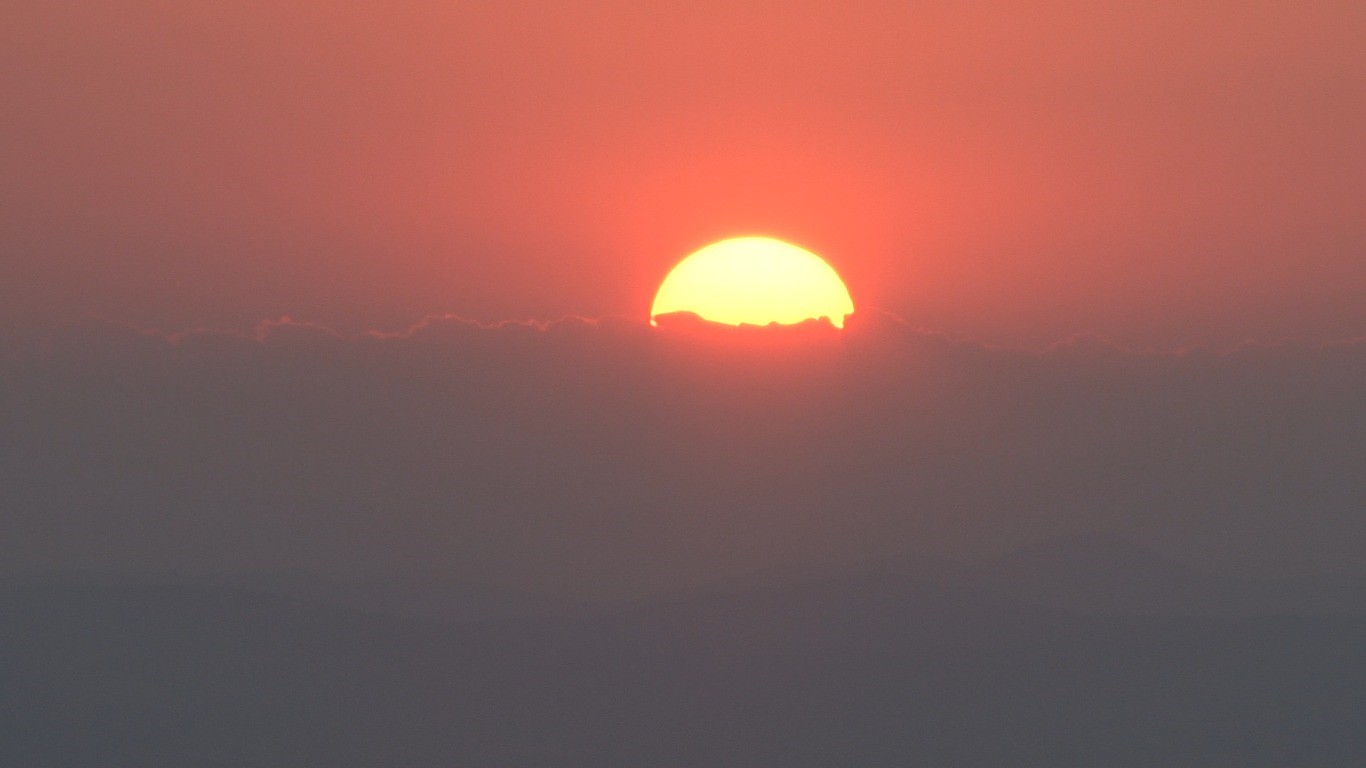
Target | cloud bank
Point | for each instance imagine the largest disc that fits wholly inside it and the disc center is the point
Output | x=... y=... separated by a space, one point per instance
x=608 y=457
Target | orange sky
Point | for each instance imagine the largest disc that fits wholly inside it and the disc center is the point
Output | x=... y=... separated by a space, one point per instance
x=1161 y=173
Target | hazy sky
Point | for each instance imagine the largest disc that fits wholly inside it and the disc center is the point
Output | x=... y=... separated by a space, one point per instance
x=288 y=477
x=1161 y=173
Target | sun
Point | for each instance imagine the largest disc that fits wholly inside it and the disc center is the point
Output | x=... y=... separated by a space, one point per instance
x=754 y=280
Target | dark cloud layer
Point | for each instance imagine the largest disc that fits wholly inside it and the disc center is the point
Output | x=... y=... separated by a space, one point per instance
x=608 y=457
x=601 y=543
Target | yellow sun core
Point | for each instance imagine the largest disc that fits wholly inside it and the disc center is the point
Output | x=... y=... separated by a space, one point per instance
x=754 y=280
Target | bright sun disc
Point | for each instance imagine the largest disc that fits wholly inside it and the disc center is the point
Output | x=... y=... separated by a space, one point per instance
x=754 y=280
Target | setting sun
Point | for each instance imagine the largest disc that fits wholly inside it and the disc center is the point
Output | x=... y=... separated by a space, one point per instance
x=754 y=280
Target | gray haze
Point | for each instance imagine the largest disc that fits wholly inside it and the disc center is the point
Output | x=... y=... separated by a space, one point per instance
x=598 y=543
x=603 y=455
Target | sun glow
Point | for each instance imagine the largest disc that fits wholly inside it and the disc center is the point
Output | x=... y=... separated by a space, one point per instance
x=754 y=280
